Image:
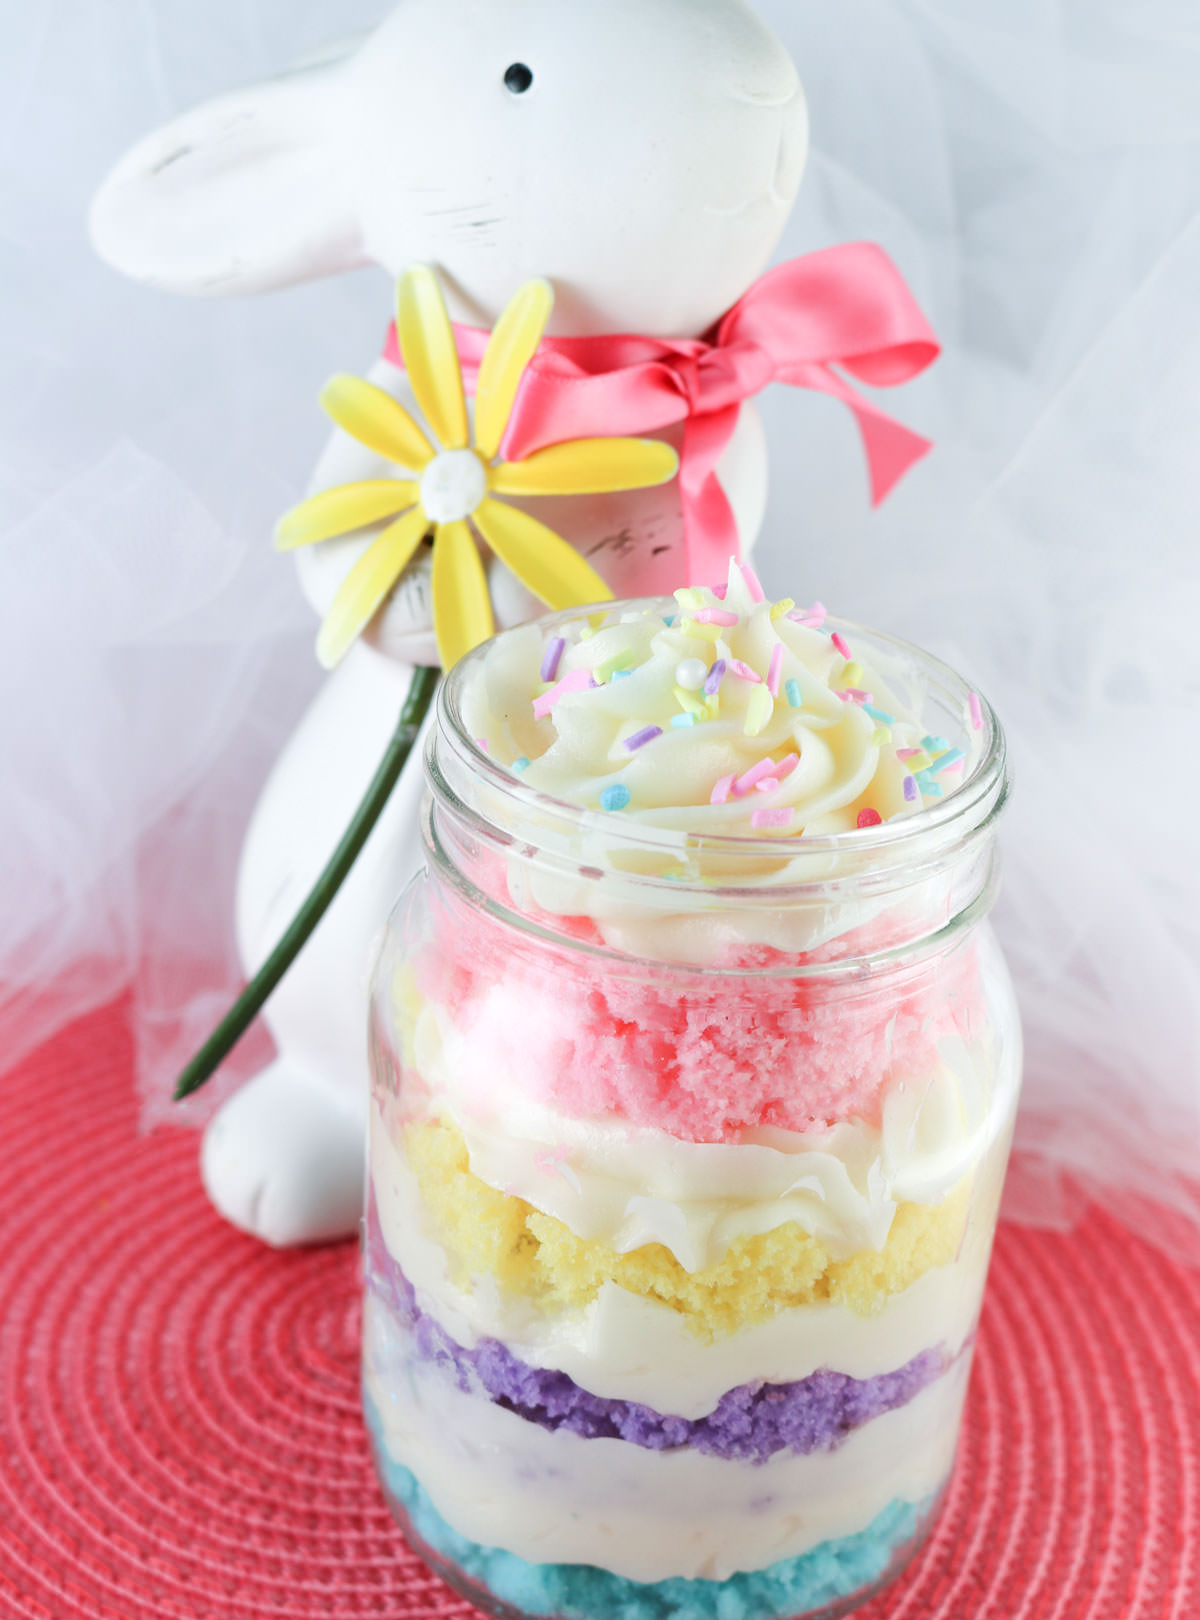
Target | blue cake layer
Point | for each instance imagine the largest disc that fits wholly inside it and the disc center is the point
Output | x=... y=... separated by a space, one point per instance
x=828 y=1574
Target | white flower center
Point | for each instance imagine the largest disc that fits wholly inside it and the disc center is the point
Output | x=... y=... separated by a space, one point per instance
x=453 y=485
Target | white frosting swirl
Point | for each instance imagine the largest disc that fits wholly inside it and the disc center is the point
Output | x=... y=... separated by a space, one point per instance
x=738 y=717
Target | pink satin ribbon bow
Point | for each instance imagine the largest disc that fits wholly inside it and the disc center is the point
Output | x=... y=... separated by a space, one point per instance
x=844 y=307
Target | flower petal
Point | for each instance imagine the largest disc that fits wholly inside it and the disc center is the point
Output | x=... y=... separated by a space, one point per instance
x=367 y=583
x=342 y=510
x=375 y=419
x=462 y=609
x=588 y=467
x=540 y=559
x=430 y=356
x=510 y=348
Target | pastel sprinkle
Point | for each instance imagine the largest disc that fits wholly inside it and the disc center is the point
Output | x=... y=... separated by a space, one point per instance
x=550 y=662
x=586 y=634
x=679 y=721
x=855 y=694
x=606 y=670
x=521 y=764
x=721 y=591
x=715 y=616
x=757 y=593
x=907 y=753
x=778 y=609
x=690 y=596
x=776 y=669
x=910 y=789
x=772 y=818
x=691 y=703
x=934 y=745
x=928 y=786
x=715 y=676
x=578 y=680
x=700 y=632
x=839 y=642
x=756 y=774
x=621 y=674
x=852 y=674
x=615 y=797
x=794 y=695
x=954 y=765
x=975 y=709
x=642 y=737
x=668 y=619
x=869 y=818
x=758 y=711
x=736 y=667
x=881 y=736
x=721 y=790
x=767 y=785
x=482 y=743
x=878 y=714
x=787 y=765
x=947 y=762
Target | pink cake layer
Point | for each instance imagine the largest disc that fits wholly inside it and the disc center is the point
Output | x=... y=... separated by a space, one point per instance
x=701 y=1057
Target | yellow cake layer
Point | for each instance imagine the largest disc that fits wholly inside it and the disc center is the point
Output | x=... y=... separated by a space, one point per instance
x=489 y=1233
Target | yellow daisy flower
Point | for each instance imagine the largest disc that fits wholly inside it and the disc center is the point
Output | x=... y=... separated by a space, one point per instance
x=454 y=486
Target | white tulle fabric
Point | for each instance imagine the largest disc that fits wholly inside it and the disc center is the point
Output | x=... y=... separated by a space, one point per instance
x=1035 y=170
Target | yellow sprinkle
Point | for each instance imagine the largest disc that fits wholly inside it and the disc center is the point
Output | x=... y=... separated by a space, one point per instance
x=706 y=632
x=692 y=704
x=712 y=705
x=544 y=687
x=852 y=674
x=880 y=737
x=919 y=762
x=758 y=711
x=606 y=670
x=778 y=609
x=689 y=597
x=586 y=635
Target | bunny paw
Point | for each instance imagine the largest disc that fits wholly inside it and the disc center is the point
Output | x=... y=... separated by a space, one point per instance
x=283 y=1160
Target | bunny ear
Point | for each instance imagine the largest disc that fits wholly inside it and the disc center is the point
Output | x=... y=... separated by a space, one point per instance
x=240 y=195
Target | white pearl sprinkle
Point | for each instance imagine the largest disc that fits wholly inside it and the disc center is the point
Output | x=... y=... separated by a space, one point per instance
x=691 y=674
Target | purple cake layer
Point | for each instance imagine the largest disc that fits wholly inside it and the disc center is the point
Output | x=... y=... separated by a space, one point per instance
x=750 y=1423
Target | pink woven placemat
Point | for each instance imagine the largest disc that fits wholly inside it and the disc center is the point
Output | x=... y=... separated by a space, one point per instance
x=180 y=1430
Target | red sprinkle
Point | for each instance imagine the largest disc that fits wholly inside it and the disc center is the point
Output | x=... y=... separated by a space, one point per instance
x=839 y=642
x=869 y=818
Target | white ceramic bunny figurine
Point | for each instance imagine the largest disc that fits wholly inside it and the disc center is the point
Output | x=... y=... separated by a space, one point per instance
x=643 y=155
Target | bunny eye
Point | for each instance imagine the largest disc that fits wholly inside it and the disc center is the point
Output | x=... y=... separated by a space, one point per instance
x=518 y=78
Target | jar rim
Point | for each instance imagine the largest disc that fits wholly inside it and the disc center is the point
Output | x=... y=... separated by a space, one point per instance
x=968 y=811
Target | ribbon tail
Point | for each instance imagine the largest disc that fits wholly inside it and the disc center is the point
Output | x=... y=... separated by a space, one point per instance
x=710 y=529
x=891 y=448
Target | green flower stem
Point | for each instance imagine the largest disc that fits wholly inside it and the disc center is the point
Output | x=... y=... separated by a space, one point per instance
x=248 y=1005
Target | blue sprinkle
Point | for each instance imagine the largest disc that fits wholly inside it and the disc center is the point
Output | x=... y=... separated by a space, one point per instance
x=951 y=758
x=669 y=619
x=521 y=764
x=794 y=695
x=933 y=745
x=615 y=797
x=879 y=715
x=682 y=720
x=621 y=674
x=930 y=788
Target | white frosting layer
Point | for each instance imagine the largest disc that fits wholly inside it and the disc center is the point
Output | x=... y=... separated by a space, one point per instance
x=623 y=1347
x=554 y=1497
x=761 y=687
x=626 y=1186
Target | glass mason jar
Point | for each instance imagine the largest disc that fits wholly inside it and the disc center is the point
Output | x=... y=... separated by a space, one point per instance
x=685 y=1159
